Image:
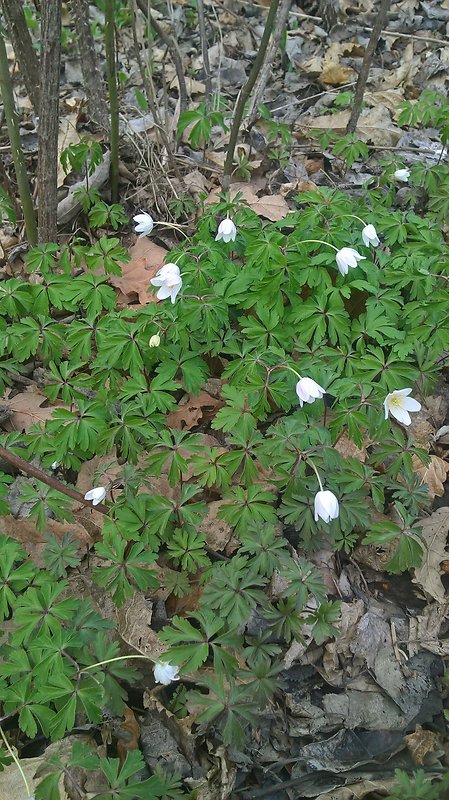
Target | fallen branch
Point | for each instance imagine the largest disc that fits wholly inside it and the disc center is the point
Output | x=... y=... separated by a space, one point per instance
x=70 y=206
x=49 y=480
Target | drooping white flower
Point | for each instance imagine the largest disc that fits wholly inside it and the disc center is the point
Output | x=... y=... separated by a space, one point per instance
x=170 y=282
x=54 y=465
x=226 y=231
x=402 y=175
x=165 y=673
x=369 y=236
x=96 y=495
x=144 y=224
x=155 y=340
x=308 y=391
x=398 y=404
x=326 y=506
x=347 y=257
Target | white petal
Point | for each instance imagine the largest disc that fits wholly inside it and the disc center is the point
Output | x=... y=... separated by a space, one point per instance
x=400 y=414
x=411 y=405
x=164 y=292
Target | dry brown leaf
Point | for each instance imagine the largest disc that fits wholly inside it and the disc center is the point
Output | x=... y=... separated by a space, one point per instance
x=67 y=135
x=273 y=207
x=434 y=531
x=336 y=75
x=33 y=541
x=346 y=447
x=218 y=533
x=11 y=778
x=146 y=259
x=191 y=409
x=433 y=474
x=99 y=471
x=195 y=182
x=128 y=734
x=27 y=410
x=420 y=744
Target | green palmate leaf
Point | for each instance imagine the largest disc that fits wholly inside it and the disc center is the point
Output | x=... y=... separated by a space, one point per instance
x=126 y=568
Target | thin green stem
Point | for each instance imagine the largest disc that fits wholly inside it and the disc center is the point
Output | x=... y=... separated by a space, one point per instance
x=316 y=241
x=16 y=145
x=15 y=759
x=354 y=216
x=311 y=464
x=113 y=95
x=117 y=658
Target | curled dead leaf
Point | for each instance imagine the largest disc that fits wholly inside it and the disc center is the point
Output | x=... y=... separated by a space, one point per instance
x=433 y=474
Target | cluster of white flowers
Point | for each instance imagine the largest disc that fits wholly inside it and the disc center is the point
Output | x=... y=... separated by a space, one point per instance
x=398 y=403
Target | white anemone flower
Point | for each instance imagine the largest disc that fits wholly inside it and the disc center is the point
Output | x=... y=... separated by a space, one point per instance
x=96 y=495
x=347 y=257
x=165 y=673
x=326 y=506
x=155 y=340
x=398 y=404
x=308 y=391
x=144 y=224
x=168 y=278
x=226 y=231
x=402 y=175
x=369 y=236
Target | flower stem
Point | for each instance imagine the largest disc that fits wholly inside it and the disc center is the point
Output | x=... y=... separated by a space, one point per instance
x=354 y=216
x=117 y=658
x=317 y=241
x=311 y=464
x=16 y=761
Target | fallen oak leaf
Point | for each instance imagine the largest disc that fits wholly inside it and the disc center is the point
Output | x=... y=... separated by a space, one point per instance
x=193 y=408
x=146 y=259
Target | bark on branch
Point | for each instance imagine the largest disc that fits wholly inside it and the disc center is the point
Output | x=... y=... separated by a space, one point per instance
x=49 y=119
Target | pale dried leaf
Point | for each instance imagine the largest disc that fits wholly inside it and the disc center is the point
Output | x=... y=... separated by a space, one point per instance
x=146 y=259
x=433 y=474
x=219 y=535
x=336 y=75
x=434 y=532
x=420 y=744
x=273 y=207
x=11 y=779
x=27 y=409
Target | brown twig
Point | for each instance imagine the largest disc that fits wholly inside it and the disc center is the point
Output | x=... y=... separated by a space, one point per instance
x=366 y=63
x=174 y=52
x=49 y=480
x=245 y=93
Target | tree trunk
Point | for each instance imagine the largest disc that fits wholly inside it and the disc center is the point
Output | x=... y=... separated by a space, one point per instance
x=93 y=82
x=23 y=48
x=49 y=119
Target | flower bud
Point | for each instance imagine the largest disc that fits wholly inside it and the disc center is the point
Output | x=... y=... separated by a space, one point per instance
x=155 y=340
